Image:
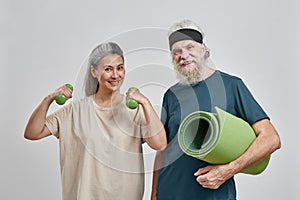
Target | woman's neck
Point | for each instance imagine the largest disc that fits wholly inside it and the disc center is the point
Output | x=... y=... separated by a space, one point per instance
x=108 y=99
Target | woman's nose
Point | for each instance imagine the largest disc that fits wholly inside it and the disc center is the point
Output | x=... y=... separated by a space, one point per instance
x=115 y=73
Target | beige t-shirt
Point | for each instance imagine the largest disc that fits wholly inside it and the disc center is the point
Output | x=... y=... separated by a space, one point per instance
x=100 y=150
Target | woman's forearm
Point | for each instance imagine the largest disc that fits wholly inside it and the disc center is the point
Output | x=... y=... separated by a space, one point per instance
x=156 y=135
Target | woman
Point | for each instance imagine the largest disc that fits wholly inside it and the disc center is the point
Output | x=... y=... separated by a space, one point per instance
x=100 y=138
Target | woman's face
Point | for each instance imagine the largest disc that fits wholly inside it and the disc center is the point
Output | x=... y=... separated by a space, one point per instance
x=110 y=72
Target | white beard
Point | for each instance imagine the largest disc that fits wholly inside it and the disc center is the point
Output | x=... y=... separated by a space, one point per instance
x=189 y=77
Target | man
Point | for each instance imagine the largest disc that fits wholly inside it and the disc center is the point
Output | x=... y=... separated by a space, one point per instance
x=178 y=176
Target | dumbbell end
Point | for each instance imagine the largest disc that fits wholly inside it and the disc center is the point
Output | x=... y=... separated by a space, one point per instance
x=60 y=99
x=131 y=103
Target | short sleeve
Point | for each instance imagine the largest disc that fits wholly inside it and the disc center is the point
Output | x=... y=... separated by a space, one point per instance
x=54 y=120
x=246 y=105
x=164 y=110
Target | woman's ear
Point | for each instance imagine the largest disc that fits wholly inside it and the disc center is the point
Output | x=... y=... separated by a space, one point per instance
x=94 y=72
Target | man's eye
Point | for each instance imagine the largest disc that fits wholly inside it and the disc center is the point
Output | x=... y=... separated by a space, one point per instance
x=189 y=47
x=177 y=51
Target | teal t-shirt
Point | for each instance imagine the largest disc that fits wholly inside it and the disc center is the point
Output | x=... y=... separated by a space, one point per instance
x=176 y=177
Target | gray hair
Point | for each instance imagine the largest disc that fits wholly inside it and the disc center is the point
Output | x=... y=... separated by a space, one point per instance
x=190 y=25
x=100 y=51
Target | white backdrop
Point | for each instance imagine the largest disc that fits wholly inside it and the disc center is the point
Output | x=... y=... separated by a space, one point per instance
x=43 y=44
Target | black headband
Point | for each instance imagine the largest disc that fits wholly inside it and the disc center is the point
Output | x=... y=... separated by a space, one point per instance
x=185 y=34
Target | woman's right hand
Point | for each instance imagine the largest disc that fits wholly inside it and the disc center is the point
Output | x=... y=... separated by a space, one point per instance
x=36 y=127
x=64 y=89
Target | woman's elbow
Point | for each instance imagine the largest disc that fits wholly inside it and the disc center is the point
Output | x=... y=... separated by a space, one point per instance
x=163 y=141
x=35 y=135
x=162 y=146
x=158 y=142
x=29 y=136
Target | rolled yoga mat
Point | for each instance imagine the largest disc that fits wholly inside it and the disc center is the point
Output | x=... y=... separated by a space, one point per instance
x=217 y=138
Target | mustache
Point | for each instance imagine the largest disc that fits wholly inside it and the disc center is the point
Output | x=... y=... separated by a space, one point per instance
x=186 y=62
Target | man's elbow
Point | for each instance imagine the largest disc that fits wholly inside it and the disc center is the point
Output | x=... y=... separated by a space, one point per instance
x=277 y=142
x=274 y=142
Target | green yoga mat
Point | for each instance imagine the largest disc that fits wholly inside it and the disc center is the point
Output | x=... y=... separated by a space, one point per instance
x=217 y=138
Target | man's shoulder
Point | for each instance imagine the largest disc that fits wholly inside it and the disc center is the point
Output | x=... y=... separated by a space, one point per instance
x=229 y=78
x=177 y=87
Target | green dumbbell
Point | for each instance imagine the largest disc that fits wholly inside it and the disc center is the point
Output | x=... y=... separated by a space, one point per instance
x=131 y=103
x=61 y=98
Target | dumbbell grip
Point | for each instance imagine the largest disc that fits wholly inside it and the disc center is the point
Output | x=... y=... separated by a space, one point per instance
x=61 y=99
x=131 y=103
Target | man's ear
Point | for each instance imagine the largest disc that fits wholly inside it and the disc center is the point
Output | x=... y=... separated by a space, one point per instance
x=206 y=51
x=203 y=47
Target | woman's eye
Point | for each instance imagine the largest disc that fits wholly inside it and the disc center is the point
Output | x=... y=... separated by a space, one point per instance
x=107 y=69
x=120 y=68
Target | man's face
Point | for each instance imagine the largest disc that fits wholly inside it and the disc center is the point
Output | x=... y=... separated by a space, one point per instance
x=187 y=54
x=188 y=58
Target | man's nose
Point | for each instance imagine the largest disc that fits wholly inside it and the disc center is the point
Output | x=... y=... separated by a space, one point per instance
x=184 y=54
